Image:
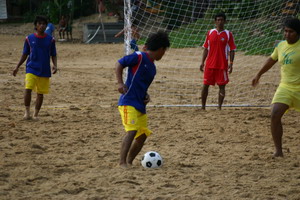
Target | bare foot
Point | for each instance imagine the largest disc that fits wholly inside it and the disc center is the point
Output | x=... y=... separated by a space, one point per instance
x=123 y=165
x=35 y=118
x=35 y=114
x=27 y=117
x=278 y=154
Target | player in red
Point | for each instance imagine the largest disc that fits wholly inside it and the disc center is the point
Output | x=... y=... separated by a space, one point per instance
x=218 y=43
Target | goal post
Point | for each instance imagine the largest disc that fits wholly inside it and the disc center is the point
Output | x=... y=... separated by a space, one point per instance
x=256 y=26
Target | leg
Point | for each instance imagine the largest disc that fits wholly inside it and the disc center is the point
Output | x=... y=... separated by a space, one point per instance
x=277 y=112
x=67 y=32
x=125 y=146
x=59 y=34
x=38 y=105
x=204 y=94
x=27 y=101
x=136 y=148
x=221 y=95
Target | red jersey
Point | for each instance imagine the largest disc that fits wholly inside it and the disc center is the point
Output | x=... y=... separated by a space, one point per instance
x=218 y=45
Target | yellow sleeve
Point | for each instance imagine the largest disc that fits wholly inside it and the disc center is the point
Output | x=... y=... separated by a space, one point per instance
x=274 y=55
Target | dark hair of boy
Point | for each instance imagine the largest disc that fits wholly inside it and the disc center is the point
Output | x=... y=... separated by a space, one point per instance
x=293 y=23
x=220 y=15
x=40 y=18
x=158 y=40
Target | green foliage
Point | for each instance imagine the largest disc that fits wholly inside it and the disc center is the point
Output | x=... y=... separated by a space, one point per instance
x=55 y=8
x=83 y=8
x=177 y=12
x=246 y=9
x=50 y=9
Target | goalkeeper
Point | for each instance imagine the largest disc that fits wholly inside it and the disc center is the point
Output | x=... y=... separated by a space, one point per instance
x=217 y=43
x=287 y=95
x=134 y=97
x=135 y=36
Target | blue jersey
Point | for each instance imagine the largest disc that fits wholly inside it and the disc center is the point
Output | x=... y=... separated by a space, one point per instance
x=141 y=72
x=39 y=50
x=50 y=28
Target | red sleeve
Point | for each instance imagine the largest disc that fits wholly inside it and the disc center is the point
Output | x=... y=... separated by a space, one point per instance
x=205 y=45
x=231 y=42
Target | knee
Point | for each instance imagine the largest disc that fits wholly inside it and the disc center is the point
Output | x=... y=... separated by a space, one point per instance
x=205 y=88
x=28 y=91
x=276 y=115
x=222 y=93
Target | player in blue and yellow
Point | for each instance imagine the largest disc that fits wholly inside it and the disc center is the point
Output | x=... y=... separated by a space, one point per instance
x=134 y=96
x=287 y=95
x=38 y=47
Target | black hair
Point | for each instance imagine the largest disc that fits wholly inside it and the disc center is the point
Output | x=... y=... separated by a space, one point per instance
x=40 y=18
x=158 y=40
x=293 y=23
x=220 y=15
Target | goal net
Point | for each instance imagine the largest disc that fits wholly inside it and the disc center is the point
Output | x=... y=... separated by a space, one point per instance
x=255 y=24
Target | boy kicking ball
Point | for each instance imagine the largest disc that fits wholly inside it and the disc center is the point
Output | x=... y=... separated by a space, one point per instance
x=38 y=47
x=134 y=96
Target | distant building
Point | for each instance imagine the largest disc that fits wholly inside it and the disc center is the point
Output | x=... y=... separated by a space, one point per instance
x=3 y=10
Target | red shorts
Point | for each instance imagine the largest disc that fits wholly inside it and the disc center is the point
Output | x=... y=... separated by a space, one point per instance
x=215 y=76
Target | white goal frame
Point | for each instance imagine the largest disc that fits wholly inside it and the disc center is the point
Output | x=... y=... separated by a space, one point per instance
x=179 y=81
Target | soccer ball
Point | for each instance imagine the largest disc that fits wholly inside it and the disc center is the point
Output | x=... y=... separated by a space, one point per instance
x=151 y=159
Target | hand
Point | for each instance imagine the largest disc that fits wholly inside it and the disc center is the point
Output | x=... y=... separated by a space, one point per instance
x=15 y=71
x=230 y=68
x=201 y=67
x=54 y=69
x=147 y=99
x=122 y=88
x=255 y=81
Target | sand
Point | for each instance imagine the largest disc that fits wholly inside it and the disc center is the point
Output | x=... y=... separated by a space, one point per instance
x=72 y=151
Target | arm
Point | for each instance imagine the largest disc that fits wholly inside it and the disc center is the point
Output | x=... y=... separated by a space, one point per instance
x=231 y=55
x=122 y=88
x=54 y=67
x=268 y=65
x=22 y=60
x=120 y=33
x=136 y=35
x=204 y=56
x=53 y=32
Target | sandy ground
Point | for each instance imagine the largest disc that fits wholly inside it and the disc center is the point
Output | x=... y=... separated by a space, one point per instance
x=72 y=152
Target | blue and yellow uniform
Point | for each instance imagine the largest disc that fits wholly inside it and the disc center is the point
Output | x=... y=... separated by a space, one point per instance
x=141 y=72
x=38 y=71
x=288 y=92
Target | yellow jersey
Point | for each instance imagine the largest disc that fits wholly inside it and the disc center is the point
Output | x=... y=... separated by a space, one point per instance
x=288 y=55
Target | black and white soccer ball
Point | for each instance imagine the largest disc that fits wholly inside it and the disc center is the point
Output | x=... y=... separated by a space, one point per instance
x=152 y=159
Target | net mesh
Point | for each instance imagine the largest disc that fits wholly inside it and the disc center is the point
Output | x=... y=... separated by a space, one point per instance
x=256 y=26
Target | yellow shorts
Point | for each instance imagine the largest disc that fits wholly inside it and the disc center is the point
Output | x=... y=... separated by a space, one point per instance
x=288 y=97
x=39 y=84
x=134 y=120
